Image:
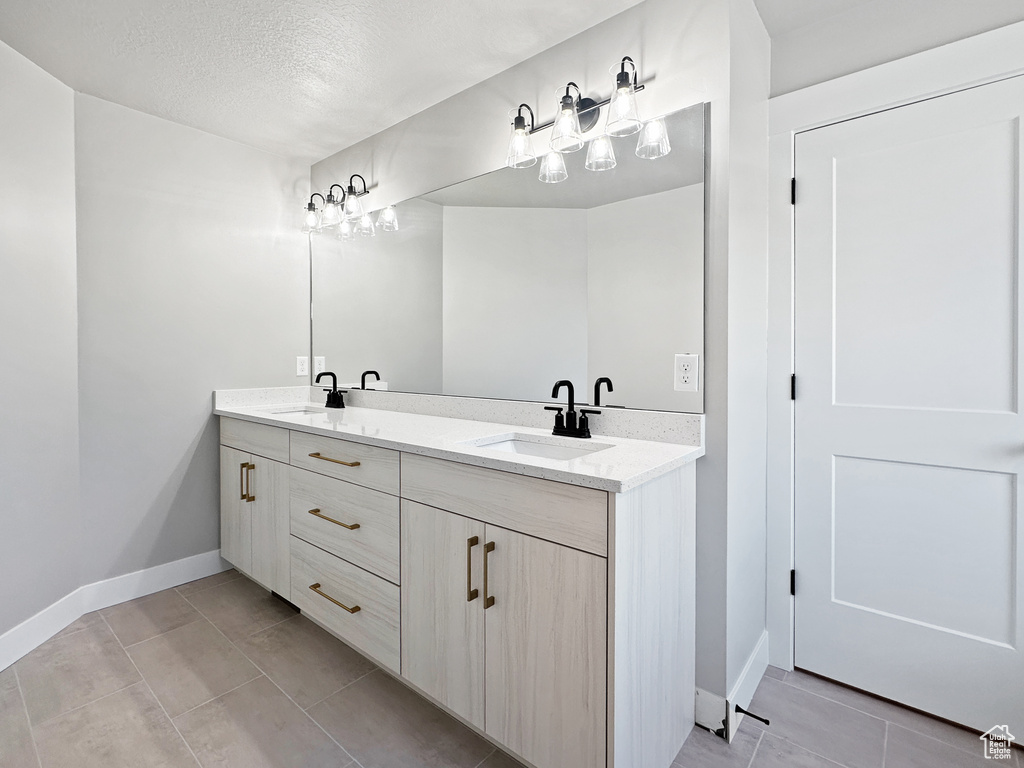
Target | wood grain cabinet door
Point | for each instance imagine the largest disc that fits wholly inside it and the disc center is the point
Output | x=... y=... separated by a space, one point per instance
x=268 y=488
x=235 y=513
x=442 y=607
x=546 y=650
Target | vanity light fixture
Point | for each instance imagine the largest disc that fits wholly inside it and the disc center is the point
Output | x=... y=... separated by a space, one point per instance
x=365 y=226
x=331 y=214
x=552 y=168
x=353 y=208
x=623 y=118
x=567 y=135
x=653 y=142
x=344 y=230
x=520 y=145
x=311 y=222
x=600 y=154
x=388 y=218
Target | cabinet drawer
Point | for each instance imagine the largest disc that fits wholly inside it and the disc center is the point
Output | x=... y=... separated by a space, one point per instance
x=375 y=467
x=374 y=628
x=372 y=545
x=251 y=437
x=565 y=514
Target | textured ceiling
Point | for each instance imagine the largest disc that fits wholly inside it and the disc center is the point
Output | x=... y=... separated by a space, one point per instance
x=301 y=78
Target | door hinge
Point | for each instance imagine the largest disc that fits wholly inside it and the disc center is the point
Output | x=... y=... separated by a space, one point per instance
x=792 y=386
x=792 y=582
x=792 y=191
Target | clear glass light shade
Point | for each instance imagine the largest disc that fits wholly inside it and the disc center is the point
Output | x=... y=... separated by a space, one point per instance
x=310 y=221
x=345 y=230
x=365 y=226
x=353 y=208
x=623 y=118
x=600 y=154
x=331 y=215
x=566 y=135
x=388 y=219
x=653 y=142
x=552 y=168
x=520 y=143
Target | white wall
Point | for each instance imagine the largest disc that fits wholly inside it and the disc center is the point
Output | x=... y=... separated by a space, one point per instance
x=646 y=295
x=192 y=276
x=39 y=513
x=686 y=49
x=515 y=319
x=377 y=301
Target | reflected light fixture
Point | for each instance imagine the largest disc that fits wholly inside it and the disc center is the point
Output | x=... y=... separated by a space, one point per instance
x=331 y=214
x=311 y=221
x=365 y=226
x=520 y=145
x=623 y=118
x=552 y=168
x=566 y=135
x=344 y=230
x=353 y=208
x=653 y=142
x=388 y=218
x=600 y=154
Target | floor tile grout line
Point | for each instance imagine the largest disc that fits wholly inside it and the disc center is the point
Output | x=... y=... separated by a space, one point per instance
x=214 y=698
x=83 y=706
x=264 y=673
x=885 y=744
x=155 y=697
x=154 y=637
x=886 y=720
x=276 y=624
x=346 y=685
x=28 y=720
x=203 y=589
x=488 y=757
x=806 y=749
x=756 y=747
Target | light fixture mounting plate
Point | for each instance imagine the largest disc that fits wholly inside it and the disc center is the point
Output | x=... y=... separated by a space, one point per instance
x=589 y=113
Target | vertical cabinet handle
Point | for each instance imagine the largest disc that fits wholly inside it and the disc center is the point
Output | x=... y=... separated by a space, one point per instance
x=249 y=495
x=488 y=598
x=241 y=480
x=471 y=594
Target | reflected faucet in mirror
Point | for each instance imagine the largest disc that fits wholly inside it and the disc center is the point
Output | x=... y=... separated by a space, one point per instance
x=597 y=389
x=335 y=396
x=362 y=379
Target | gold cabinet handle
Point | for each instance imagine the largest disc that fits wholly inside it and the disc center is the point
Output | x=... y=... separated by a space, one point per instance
x=333 y=461
x=316 y=588
x=241 y=480
x=488 y=598
x=471 y=594
x=318 y=513
x=249 y=495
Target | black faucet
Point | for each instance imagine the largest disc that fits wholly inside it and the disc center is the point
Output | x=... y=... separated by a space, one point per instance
x=597 y=389
x=566 y=425
x=362 y=379
x=335 y=396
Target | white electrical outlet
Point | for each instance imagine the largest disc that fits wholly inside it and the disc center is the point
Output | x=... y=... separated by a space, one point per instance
x=302 y=366
x=685 y=379
x=319 y=365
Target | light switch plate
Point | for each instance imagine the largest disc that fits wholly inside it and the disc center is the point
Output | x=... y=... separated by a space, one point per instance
x=302 y=366
x=686 y=373
x=319 y=365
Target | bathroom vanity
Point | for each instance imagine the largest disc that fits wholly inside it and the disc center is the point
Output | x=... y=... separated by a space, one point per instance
x=540 y=589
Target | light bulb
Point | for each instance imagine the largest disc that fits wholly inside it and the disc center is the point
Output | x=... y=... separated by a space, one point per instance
x=345 y=230
x=653 y=142
x=353 y=208
x=565 y=134
x=365 y=226
x=552 y=170
x=331 y=215
x=623 y=119
x=388 y=219
x=600 y=155
x=520 y=143
x=311 y=219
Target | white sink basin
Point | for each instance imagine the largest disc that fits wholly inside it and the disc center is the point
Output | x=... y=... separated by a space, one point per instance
x=559 y=448
x=298 y=410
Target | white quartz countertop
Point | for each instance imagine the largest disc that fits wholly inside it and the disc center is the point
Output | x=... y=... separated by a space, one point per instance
x=624 y=464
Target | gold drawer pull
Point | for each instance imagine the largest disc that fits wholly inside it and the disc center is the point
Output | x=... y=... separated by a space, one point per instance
x=333 y=461
x=317 y=513
x=488 y=598
x=471 y=592
x=241 y=480
x=249 y=495
x=316 y=588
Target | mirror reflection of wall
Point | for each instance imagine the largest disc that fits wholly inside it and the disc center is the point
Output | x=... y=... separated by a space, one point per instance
x=500 y=285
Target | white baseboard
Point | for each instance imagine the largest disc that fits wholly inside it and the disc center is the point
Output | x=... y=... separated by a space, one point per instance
x=710 y=711
x=743 y=691
x=35 y=631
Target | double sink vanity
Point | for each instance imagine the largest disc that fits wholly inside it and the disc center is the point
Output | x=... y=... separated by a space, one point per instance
x=538 y=588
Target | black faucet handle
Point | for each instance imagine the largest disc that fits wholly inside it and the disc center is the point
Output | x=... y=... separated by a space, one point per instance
x=590 y=411
x=559 y=418
x=558 y=408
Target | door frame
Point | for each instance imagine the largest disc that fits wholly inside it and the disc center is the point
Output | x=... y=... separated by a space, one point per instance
x=974 y=61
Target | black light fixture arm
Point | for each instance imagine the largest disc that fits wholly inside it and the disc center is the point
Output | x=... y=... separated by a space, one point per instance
x=312 y=207
x=622 y=79
x=352 y=186
x=520 y=121
x=586 y=105
x=339 y=186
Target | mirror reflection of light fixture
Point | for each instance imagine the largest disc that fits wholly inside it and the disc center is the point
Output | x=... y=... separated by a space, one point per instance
x=566 y=134
x=388 y=218
x=653 y=142
x=353 y=208
x=623 y=118
x=365 y=226
x=520 y=145
x=344 y=230
x=600 y=154
x=311 y=221
x=552 y=168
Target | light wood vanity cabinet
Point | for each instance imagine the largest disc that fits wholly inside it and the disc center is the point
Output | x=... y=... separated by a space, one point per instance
x=556 y=619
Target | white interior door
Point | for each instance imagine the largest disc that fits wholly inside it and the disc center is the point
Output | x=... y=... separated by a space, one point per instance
x=909 y=439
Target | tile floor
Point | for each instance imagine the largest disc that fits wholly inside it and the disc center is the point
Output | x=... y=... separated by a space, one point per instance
x=220 y=673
